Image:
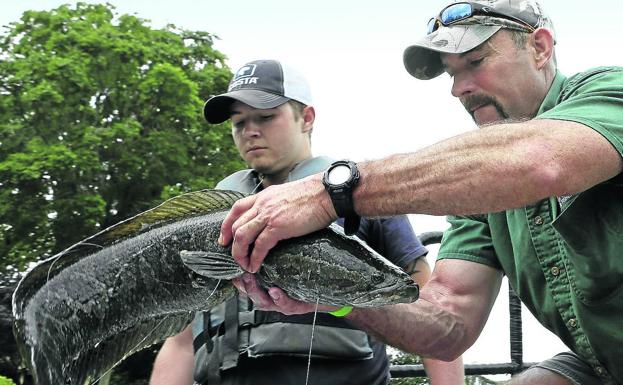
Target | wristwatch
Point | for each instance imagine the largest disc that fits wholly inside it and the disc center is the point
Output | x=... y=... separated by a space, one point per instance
x=340 y=179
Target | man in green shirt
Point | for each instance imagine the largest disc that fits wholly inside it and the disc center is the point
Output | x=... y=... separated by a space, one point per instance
x=535 y=194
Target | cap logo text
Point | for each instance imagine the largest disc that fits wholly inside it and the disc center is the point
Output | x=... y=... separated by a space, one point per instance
x=244 y=76
x=242 y=82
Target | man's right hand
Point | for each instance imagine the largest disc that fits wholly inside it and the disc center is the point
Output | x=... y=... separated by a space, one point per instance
x=279 y=212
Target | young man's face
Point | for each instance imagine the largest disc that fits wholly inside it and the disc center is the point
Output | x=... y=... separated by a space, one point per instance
x=271 y=141
x=497 y=80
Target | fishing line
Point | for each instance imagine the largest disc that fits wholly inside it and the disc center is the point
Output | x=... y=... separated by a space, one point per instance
x=261 y=179
x=311 y=342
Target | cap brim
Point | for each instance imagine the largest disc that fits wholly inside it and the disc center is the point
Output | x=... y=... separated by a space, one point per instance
x=218 y=108
x=422 y=59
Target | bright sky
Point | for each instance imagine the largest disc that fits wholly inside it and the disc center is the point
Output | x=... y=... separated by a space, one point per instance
x=367 y=105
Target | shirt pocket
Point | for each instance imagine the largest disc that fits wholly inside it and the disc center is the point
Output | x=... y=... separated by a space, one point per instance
x=591 y=234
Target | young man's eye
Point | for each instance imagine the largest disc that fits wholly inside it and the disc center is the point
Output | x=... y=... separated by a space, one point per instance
x=265 y=118
x=239 y=124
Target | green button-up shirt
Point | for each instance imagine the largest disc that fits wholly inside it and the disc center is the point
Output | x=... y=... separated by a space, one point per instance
x=563 y=256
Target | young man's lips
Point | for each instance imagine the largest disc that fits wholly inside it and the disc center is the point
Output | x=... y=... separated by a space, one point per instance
x=253 y=149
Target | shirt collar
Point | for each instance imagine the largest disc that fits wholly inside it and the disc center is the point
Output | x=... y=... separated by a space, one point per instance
x=551 y=99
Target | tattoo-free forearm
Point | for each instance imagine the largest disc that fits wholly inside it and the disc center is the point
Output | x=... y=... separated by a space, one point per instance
x=420 y=328
x=446 y=320
x=490 y=169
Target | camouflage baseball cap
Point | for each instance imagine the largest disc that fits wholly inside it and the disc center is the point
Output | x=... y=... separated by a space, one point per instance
x=463 y=26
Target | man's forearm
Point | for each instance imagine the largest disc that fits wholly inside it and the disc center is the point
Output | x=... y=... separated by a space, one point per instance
x=487 y=170
x=446 y=320
x=174 y=362
x=445 y=373
x=419 y=328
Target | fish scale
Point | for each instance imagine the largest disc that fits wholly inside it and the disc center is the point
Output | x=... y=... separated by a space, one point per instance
x=81 y=312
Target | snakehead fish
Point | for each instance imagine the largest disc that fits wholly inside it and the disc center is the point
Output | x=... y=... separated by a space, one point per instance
x=84 y=310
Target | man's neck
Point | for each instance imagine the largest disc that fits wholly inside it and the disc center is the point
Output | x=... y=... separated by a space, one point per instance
x=272 y=179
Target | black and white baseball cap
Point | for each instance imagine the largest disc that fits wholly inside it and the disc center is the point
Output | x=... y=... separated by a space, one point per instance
x=260 y=84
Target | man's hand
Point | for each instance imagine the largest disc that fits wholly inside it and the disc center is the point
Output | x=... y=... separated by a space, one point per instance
x=279 y=212
x=275 y=299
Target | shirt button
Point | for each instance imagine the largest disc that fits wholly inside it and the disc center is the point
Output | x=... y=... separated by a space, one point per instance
x=538 y=220
x=555 y=271
x=573 y=323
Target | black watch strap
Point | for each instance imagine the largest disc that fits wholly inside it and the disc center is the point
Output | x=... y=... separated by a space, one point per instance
x=351 y=224
x=342 y=195
x=344 y=207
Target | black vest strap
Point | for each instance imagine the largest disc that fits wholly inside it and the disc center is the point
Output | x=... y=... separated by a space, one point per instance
x=212 y=352
x=264 y=317
x=205 y=337
x=214 y=372
x=230 y=339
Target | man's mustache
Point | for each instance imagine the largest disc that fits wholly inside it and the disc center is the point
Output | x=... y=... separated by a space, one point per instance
x=470 y=102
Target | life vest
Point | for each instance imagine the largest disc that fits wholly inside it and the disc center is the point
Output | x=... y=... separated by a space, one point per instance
x=234 y=327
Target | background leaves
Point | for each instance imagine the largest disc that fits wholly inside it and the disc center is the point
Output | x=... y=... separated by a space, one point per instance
x=100 y=118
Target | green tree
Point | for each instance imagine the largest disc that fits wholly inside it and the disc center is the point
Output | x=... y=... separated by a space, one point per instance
x=479 y=380
x=6 y=381
x=398 y=357
x=100 y=118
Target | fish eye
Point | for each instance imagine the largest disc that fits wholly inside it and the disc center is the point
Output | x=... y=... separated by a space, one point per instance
x=378 y=278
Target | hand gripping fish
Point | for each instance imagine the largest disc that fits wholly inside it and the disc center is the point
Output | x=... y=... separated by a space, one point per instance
x=84 y=310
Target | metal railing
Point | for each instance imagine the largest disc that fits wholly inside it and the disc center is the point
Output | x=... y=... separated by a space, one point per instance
x=516 y=363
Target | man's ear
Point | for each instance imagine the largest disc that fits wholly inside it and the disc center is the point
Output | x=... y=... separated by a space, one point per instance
x=543 y=43
x=309 y=116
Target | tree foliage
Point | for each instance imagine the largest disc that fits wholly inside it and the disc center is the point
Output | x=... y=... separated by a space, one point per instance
x=100 y=118
x=398 y=357
x=6 y=381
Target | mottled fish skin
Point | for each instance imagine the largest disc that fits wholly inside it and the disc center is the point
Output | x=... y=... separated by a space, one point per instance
x=84 y=310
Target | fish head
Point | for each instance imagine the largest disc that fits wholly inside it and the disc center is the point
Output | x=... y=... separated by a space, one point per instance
x=335 y=269
x=386 y=288
x=373 y=282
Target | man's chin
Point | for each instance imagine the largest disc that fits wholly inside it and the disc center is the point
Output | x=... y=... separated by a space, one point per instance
x=260 y=167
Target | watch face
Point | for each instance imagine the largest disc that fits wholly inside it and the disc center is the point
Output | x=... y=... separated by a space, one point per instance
x=339 y=174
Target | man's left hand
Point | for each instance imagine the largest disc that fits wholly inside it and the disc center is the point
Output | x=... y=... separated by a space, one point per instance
x=275 y=299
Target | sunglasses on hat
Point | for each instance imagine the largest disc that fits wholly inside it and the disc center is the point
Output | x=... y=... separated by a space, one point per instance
x=457 y=12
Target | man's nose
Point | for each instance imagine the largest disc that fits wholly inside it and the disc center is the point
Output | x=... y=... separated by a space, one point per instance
x=462 y=85
x=251 y=130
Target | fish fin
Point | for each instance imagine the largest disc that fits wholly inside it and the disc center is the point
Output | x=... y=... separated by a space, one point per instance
x=182 y=206
x=211 y=264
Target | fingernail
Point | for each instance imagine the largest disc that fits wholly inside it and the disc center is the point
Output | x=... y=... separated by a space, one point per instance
x=220 y=239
